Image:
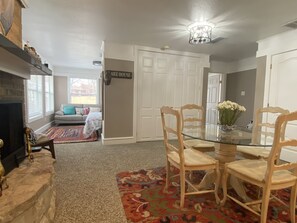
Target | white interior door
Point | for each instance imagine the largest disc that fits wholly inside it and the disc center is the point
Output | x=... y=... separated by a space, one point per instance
x=164 y=79
x=213 y=97
x=283 y=91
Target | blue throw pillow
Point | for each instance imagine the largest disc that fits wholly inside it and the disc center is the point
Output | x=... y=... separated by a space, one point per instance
x=69 y=110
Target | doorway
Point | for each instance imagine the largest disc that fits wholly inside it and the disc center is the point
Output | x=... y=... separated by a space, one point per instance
x=215 y=94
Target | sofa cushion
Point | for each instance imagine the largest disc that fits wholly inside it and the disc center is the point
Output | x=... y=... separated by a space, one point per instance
x=79 y=111
x=69 y=110
x=69 y=118
x=75 y=105
x=94 y=109
x=86 y=110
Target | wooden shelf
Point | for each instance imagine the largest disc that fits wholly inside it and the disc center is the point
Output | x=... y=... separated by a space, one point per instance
x=16 y=61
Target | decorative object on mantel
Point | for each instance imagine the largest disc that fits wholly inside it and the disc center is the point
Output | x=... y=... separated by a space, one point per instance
x=6 y=15
x=200 y=32
x=31 y=50
x=229 y=112
x=3 y=181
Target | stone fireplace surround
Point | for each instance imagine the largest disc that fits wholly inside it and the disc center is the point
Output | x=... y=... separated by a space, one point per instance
x=31 y=194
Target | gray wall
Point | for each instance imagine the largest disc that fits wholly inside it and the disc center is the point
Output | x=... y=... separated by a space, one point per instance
x=61 y=91
x=118 y=101
x=238 y=82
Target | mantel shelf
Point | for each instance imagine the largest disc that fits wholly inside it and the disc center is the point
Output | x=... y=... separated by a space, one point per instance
x=16 y=61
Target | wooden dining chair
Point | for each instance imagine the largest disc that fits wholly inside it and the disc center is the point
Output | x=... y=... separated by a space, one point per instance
x=268 y=175
x=263 y=129
x=192 y=119
x=42 y=141
x=185 y=160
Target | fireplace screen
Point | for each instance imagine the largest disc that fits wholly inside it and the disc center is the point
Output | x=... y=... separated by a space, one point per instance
x=11 y=132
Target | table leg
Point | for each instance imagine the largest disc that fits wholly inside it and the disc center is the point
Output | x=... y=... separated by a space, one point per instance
x=224 y=153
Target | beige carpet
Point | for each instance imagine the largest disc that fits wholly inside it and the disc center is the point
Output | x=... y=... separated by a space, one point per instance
x=86 y=184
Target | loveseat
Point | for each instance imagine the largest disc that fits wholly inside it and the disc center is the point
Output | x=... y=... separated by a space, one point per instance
x=74 y=113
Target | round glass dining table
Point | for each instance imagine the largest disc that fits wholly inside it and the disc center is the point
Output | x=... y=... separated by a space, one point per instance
x=225 y=144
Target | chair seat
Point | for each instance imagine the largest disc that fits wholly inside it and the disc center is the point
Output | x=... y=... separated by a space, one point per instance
x=192 y=158
x=256 y=169
x=42 y=138
x=196 y=143
x=256 y=151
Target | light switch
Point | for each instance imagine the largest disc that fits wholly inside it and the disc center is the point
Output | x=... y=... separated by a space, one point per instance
x=242 y=93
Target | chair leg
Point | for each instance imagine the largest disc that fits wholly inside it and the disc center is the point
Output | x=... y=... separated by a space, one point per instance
x=224 y=185
x=182 y=187
x=52 y=149
x=265 y=203
x=293 y=203
x=217 y=183
x=167 y=175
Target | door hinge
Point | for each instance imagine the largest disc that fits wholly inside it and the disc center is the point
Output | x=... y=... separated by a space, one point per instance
x=270 y=66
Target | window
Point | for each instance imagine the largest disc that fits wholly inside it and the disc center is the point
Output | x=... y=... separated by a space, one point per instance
x=83 y=91
x=49 y=94
x=34 y=97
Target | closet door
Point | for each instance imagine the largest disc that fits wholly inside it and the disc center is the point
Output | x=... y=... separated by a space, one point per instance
x=164 y=79
x=283 y=91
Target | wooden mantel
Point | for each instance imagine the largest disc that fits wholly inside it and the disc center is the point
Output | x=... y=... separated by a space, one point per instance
x=13 y=59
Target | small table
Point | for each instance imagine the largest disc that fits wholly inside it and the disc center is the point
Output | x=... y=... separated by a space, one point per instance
x=225 y=144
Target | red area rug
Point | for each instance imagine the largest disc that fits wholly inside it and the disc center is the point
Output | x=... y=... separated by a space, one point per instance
x=69 y=134
x=144 y=201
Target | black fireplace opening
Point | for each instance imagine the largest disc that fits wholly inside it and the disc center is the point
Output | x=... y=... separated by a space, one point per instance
x=12 y=134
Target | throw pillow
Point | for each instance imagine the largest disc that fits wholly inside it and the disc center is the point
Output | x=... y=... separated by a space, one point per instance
x=86 y=111
x=32 y=137
x=69 y=110
x=94 y=109
x=79 y=111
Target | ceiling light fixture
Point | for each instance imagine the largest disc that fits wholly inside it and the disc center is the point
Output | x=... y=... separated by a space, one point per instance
x=97 y=63
x=200 y=32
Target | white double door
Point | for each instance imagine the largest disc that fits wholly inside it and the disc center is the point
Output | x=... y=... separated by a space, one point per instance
x=282 y=92
x=164 y=79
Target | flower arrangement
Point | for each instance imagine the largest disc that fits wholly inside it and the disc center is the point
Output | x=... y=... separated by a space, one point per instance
x=229 y=112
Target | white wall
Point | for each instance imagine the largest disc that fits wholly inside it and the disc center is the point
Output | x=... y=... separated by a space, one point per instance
x=233 y=67
x=277 y=44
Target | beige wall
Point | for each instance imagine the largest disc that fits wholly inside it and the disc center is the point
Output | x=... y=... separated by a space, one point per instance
x=118 y=101
x=242 y=81
x=61 y=91
x=260 y=82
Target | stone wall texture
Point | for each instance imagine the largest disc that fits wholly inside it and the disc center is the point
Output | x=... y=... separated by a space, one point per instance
x=11 y=87
x=31 y=195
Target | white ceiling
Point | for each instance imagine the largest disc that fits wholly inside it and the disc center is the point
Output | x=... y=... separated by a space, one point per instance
x=69 y=33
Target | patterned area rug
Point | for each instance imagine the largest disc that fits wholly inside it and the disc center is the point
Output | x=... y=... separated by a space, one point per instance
x=69 y=134
x=144 y=201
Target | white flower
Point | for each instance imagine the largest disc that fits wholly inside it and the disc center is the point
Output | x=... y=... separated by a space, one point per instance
x=229 y=112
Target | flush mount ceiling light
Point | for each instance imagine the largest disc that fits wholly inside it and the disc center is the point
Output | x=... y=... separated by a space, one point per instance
x=97 y=63
x=200 y=32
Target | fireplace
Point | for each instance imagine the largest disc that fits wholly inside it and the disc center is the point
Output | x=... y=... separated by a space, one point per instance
x=12 y=134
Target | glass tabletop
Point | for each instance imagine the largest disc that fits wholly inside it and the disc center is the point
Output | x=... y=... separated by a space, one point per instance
x=213 y=133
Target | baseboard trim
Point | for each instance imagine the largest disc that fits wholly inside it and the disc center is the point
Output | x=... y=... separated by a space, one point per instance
x=288 y=155
x=116 y=141
x=45 y=127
